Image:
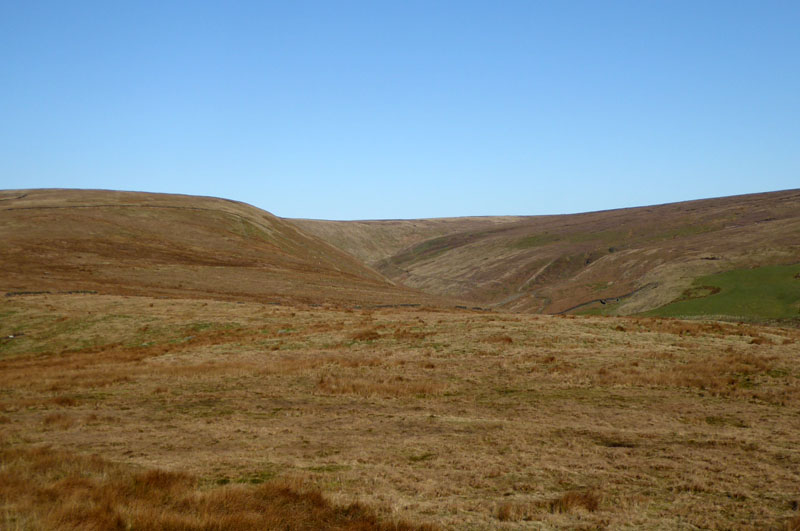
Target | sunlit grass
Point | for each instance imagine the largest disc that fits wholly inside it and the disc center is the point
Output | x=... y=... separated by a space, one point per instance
x=763 y=293
x=451 y=418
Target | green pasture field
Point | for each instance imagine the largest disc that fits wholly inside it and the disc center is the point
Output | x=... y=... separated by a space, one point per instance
x=771 y=292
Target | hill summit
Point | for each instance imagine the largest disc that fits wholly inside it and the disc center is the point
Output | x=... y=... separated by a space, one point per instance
x=175 y=245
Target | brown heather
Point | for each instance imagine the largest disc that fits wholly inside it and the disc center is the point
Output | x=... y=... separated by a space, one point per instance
x=640 y=258
x=156 y=413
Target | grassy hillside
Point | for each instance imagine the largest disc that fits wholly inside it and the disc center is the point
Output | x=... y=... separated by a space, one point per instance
x=173 y=245
x=634 y=260
x=149 y=381
x=373 y=241
x=767 y=292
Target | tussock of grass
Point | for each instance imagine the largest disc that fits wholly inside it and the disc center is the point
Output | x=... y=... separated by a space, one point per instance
x=289 y=365
x=691 y=328
x=59 y=420
x=65 y=401
x=723 y=374
x=47 y=489
x=404 y=334
x=567 y=503
x=572 y=500
x=499 y=338
x=395 y=386
x=366 y=335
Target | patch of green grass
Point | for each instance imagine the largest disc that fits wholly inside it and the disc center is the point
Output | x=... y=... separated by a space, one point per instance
x=432 y=248
x=204 y=408
x=536 y=240
x=771 y=292
x=777 y=373
x=255 y=477
x=599 y=286
x=7 y=314
x=683 y=231
x=258 y=477
x=291 y=346
x=200 y=326
x=726 y=421
x=329 y=468
x=421 y=457
x=605 y=236
x=248 y=230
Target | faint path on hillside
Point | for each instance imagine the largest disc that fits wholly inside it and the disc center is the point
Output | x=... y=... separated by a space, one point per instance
x=13 y=198
x=651 y=285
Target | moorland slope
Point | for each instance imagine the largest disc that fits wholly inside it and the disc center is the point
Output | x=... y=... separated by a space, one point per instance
x=179 y=397
x=176 y=246
x=617 y=261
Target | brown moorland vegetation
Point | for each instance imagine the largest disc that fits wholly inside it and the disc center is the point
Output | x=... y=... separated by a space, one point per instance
x=175 y=246
x=41 y=488
x=641 y=258
x=203 y=413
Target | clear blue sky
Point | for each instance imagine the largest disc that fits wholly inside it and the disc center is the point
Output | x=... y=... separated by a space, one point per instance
x=349 y=110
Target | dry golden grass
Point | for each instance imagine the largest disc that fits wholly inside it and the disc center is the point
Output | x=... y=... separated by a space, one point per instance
x=366 y=335
x=395 y=386
x=459 y=419
x=568 y=502
x=41 y=488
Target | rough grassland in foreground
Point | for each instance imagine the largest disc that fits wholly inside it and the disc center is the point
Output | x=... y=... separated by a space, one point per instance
x=452 y=418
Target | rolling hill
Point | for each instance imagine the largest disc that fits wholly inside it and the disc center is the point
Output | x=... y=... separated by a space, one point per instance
x=660 y=260
x=173 y=245
x=155 y=385
x=623 y=261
